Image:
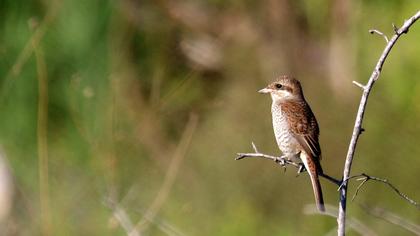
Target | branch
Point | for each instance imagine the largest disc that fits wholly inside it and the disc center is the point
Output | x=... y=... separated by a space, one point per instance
x=279 y=160
x=365 y=178
x=282 y=161
x=359 y=118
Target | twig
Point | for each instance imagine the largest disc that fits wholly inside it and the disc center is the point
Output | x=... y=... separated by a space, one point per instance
x=331 y=179
x=393 y=218
x=365 y=178
x=359 y=85
x=359 y=118
x=281 y=161
x=373 y=31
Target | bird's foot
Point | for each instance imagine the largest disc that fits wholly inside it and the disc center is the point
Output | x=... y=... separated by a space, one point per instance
x=281 y=161
x=301 y=169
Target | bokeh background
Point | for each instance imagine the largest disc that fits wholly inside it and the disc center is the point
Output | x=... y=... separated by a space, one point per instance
x=120 y=115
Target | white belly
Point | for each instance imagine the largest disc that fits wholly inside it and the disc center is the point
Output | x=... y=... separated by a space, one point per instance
x=288 y=145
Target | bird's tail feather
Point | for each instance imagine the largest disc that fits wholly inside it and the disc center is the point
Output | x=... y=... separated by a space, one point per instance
x=311 y=167
x=316 y=186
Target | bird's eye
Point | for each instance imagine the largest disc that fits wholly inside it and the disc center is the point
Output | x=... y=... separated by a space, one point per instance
x=279 y=86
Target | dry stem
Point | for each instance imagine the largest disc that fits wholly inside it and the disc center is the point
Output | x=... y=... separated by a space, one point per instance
x=360 y=114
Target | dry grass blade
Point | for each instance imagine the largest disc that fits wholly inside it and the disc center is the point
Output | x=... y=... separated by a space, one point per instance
x=332 y=211
x=393 y=219
x=122 y=217
x=170 y=175
x=30 y=46
x=42 y=130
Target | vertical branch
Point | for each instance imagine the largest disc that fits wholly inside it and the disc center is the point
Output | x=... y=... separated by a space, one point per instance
x=359 y=118
x=42 y=132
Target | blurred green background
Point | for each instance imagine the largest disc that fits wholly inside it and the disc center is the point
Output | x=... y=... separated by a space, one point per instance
x=123 y=113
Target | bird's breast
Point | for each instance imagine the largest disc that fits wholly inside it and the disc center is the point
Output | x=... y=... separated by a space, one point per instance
x=284 y=137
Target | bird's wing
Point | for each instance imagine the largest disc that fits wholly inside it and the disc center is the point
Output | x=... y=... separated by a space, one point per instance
x=303 y=125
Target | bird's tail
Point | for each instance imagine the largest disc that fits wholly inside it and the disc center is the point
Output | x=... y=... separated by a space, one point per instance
x=311 y=167
x=319 y=200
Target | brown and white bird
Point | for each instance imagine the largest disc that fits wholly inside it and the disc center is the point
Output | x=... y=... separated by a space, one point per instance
x=296 y=129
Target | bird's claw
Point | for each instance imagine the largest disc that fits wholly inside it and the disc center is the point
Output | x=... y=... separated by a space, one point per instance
x=280 y=161
x=301 y=169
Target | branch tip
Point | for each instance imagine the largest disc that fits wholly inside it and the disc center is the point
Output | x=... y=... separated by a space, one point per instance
x=395 y=28
x=359 y=85
x=374 y=31
x=254 y=147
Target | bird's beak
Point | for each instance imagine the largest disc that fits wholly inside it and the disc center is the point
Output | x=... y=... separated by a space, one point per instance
x=265 y=90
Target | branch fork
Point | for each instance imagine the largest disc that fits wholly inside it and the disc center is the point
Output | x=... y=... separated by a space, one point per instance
x=357 y=130
x=360 y=114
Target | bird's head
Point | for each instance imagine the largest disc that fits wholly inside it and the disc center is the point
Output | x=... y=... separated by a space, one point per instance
x=284 y=88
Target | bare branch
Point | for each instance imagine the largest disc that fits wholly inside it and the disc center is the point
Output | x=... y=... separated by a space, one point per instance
x=365 y=178
x=359 y=118
x=331 y=179
x=283 y=162
x=373 y=31
x=393 y=219
x=279 y=160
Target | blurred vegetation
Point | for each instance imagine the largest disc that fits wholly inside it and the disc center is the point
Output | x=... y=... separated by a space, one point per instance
x=139 y=107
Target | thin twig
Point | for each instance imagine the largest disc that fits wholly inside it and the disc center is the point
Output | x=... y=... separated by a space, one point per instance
x=365 y=178
x=392 y=218
x=282 y=161
x=359 y=118
x=373 y=31
x=359 y=85
x=331 y=179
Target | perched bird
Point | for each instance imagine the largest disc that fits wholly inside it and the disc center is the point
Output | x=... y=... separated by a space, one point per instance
x=296 y=129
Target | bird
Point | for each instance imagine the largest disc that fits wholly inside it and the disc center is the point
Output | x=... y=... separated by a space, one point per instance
x=296 y=129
